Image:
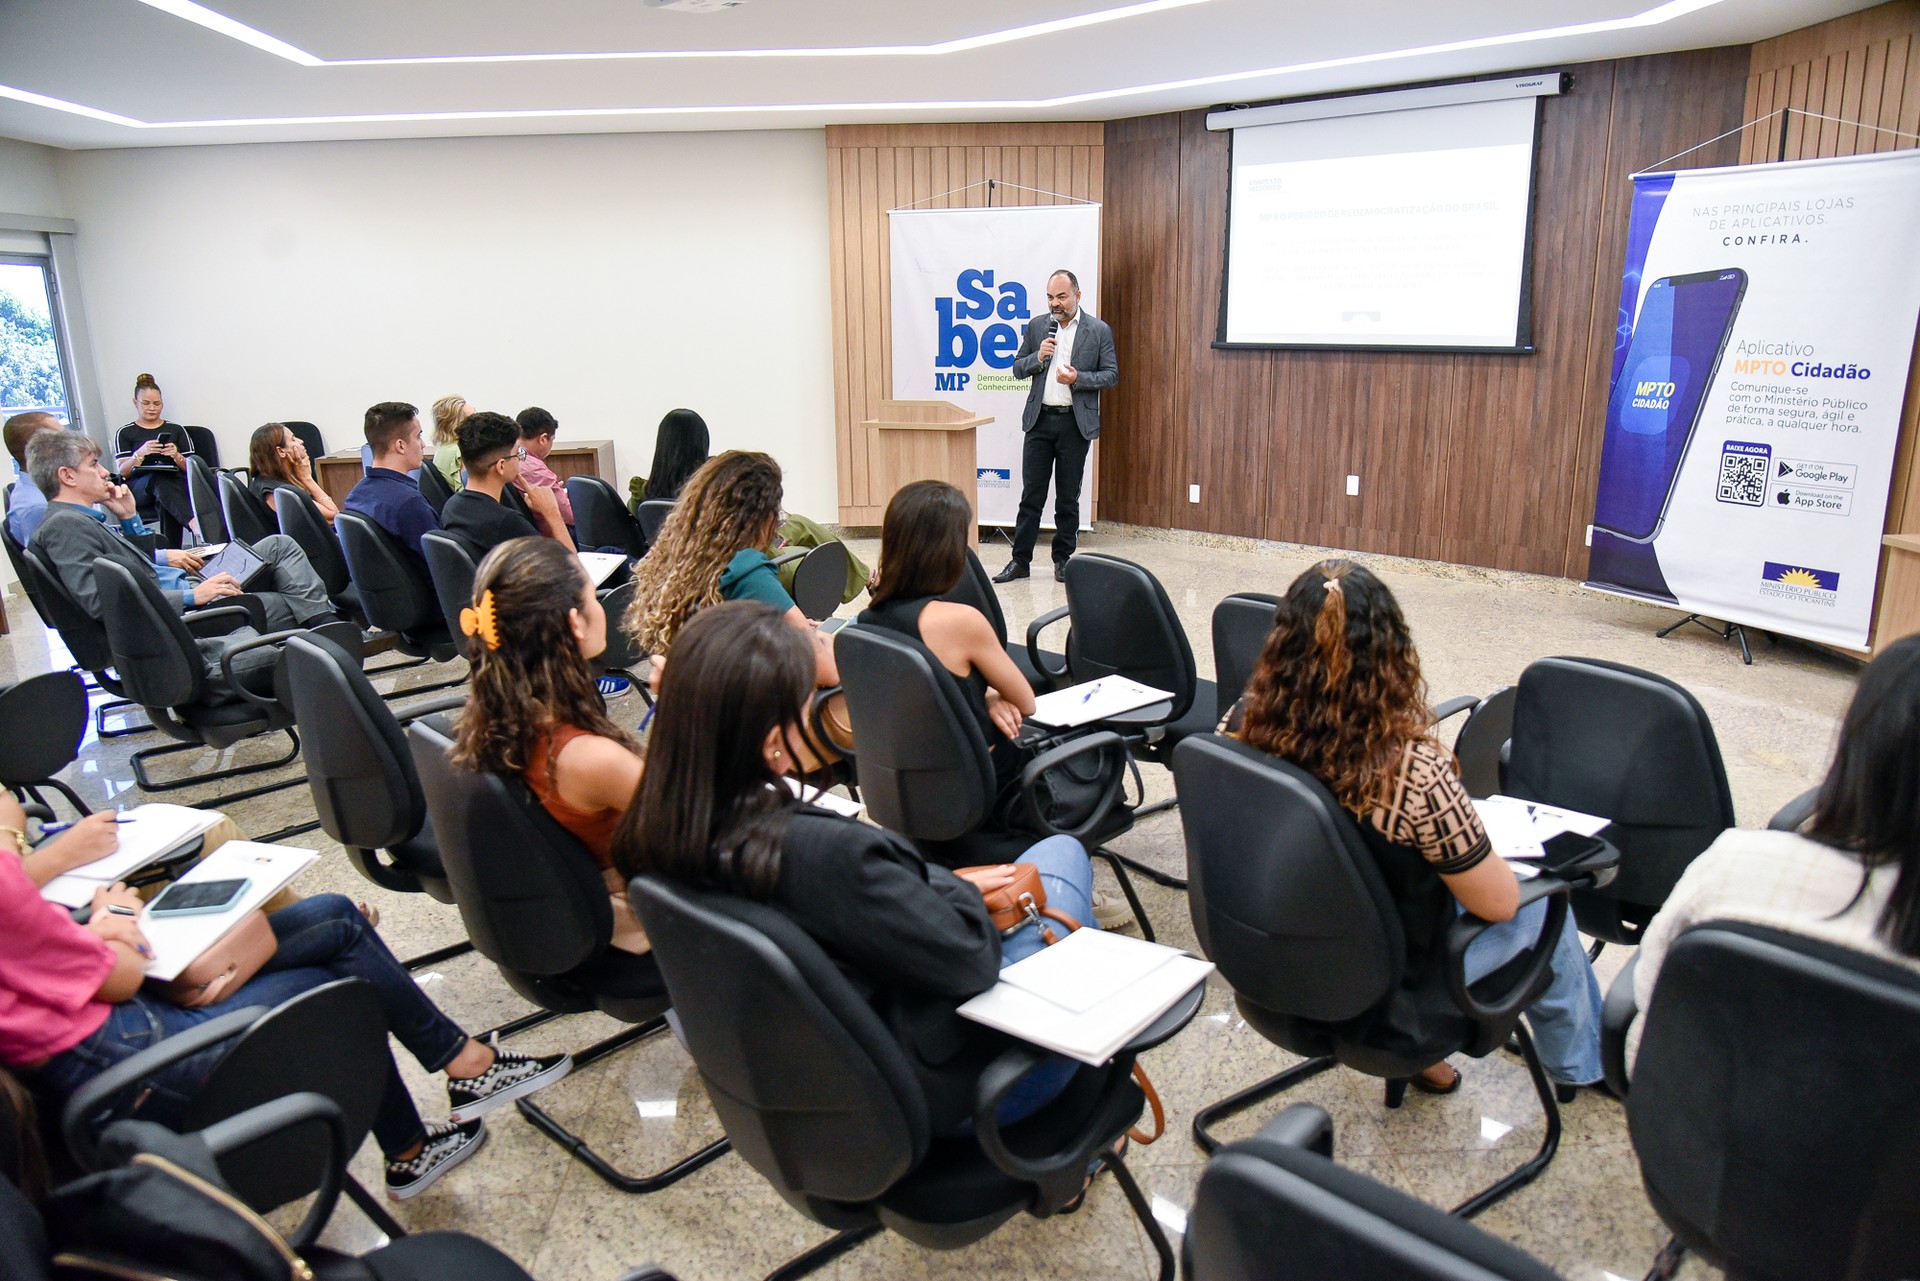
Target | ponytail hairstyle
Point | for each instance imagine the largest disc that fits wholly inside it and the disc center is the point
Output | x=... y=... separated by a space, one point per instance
x=710 y=811
x=1338 y=690
x=730 y=505
x=263 y=453
x=448 y=413
x=1869 y=804
x=536 y=679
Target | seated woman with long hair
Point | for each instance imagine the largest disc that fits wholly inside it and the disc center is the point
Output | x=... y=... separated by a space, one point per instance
x=1338 y=692
x=277 y=457
x=709 y=551
x=712 y=813
x=680 y=446
x=1853 y=877
x=533 y=709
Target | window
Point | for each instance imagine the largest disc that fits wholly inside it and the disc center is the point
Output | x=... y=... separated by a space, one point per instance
x=34 y=371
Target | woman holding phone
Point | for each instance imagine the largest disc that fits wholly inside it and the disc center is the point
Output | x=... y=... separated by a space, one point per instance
x=157 y=446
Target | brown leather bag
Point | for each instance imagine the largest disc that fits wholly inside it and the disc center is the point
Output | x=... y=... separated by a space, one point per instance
x=1024 y=899
x=220 y=970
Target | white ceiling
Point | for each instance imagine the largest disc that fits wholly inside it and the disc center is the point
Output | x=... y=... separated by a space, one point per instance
x=118 y=73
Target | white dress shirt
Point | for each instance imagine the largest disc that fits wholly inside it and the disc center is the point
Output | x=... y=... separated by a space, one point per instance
x=1056 y=392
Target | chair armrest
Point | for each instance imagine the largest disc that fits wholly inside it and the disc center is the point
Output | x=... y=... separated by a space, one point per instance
x=1616 y=1019
x=1034 y=629
x=277 y=1117
x=1064 y=1169
x=824 y=742
x=787 y=558
x=1303 y=1125
x=267 y=701
x=216 y=621
x=1454 y=706
x=1792 y=816
x=1057 y=757
x=93 y=1097
x=1495 y=1015
x=429 y=707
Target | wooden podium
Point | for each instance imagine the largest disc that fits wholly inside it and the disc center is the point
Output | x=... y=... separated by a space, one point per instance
x=926 y=440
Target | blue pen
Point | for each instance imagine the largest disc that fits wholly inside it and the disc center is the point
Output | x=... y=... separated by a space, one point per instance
x=1091 y=691
x=54 y=829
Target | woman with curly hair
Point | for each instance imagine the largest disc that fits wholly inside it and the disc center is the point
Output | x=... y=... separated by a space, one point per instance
x=533 y=710
x=1338 y=693
x=448 y=413
x=710 y=550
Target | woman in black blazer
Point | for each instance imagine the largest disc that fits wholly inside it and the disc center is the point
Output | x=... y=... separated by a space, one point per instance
x=713 y=812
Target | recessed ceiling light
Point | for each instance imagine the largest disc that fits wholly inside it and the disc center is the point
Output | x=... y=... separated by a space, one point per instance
x=697 y=6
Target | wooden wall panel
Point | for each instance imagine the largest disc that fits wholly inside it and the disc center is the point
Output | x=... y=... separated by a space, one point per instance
x=874 y=168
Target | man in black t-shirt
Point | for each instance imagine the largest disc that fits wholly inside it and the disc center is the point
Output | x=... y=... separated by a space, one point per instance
x=478 y=519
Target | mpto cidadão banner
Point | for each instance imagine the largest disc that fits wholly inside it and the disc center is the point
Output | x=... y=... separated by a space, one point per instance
x=1766 y=325
x=965 y=283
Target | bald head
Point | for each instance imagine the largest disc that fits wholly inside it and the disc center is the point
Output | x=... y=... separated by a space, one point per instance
x=21 y=427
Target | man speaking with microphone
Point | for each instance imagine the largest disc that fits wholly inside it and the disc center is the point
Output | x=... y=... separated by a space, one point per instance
x=1069 y=356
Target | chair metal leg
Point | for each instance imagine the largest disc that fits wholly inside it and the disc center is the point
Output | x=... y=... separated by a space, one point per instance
x=1126 y=888
x=1527 y=1173
x=141 y=757
x=1593 y=953
x=1143 y=1212
x=282 y=833
x=827 y=1251
x=513 y=1027
x=1234 y=1104
x=636 y=1184
x=101 y=712
x=1158 y=807
x=438 y=955
x=373 y=1209
x=33 y=790
x=1154 y=874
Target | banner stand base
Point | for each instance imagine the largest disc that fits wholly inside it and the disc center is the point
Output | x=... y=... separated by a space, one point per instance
x=1731 y=631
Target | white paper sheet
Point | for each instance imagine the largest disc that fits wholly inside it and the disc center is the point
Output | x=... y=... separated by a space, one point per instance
x=178 y=940
x=1094 y=701
x=600 y=565
x=147 y=834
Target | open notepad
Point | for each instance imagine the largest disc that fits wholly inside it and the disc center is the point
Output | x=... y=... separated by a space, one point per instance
x=1087 y=995
x=177 y=941
x=148 y=833
x=1094 y=701
x=1517 y=829
x=600 y=565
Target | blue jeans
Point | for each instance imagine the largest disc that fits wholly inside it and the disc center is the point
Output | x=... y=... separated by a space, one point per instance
x=1566 y=1018
x=1067 y=873
x=320 y=939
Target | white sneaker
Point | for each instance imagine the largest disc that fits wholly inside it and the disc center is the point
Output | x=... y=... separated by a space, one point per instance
x=446 y=1146
x=1111 y=911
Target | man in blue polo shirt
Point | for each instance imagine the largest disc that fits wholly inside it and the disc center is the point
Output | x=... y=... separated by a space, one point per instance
x=387 y=495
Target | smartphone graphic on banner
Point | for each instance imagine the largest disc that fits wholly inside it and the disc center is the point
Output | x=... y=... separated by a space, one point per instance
x=1682 y=331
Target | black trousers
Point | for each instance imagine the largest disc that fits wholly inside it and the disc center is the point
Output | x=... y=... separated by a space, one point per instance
x=1055 y=450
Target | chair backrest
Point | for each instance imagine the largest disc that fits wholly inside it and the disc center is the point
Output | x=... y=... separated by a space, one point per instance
x=653 y=515
x=820 y=579
x=365 y=790
x=600 y=519
x=434 y=487
x=1634 y=747
x=84 y=635
x=1268 y=1211
x=512 y=497
x=309 y=435
x=204 y=494
x=814 y=1091
x=16 y=556
x=301 y=521
x=154 y=654
x=924 y=768
x=1241 y=624
x=205 y=446
x=43 y=720
x=396 y=596
x=1286 y=898
x=527 y=889
x=1123 y=623
x=452 y=570
x=1773 y=1109
x=975 y=588
x=248 y=519
x=1481 y=745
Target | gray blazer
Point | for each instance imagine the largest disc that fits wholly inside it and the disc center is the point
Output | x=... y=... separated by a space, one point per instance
x=70 y=538
x=1092 y=355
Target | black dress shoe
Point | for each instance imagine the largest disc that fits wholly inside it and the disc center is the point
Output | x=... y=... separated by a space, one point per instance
x=1060 y=571
x=1013 y=570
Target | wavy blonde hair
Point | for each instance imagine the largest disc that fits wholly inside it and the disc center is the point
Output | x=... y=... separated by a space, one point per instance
x=448 y=413
x=730 y=505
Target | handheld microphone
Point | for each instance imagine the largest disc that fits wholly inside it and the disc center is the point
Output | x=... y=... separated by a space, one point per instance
x=1053 y=326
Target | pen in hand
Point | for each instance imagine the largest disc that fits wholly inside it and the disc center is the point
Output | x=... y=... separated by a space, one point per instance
x=54 y=829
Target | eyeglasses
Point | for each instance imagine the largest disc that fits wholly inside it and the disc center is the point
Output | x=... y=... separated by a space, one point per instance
x=517 y=455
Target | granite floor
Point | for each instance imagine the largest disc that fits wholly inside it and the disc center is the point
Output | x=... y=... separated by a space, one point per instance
x=643 y=1107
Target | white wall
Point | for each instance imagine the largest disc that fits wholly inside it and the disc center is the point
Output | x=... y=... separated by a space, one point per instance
x=27 y=183
x=609 y=278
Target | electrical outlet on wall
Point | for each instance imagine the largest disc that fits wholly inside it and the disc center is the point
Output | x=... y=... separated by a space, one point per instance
x=1353 y=487
x=1193 y=493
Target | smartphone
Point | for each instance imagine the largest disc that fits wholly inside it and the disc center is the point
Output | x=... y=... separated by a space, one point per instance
x=164 y=438
x=193 y=898
x=1675 y=351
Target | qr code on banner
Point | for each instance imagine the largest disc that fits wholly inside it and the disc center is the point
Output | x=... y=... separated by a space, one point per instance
x=1743 y=473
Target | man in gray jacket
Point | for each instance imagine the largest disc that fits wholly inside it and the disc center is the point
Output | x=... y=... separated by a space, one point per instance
x=1069 y=356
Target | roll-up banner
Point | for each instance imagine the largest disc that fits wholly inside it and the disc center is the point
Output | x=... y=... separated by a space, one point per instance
x=965 y=283
x=1760 y=364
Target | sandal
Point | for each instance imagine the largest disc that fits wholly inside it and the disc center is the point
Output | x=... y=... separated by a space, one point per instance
x=369 y=911
x=1420 y=1083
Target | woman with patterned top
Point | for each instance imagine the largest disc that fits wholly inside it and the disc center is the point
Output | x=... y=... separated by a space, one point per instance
x=1338 y=692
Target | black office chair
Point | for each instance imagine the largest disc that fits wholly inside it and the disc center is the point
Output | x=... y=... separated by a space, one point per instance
x=365 y=788
x=653 y=517
x=271 y=1055
x=925 y=772
x=820 y=580
x=161 y=668
x=975 y=588
x=1481 y=744
x=817 y=1094
x=309 y=435
x=199 y=440
x=395 y=595
x=1793 y=816
x=1772 y=1106
x=451 y=569
x=1241 y=624
x=1276 y=1208
x=247 y=517
x=512 y=497
x=536 y=906
x=600 y=519
x=204 y=493
x=43 y=722
x=299 y=519
x=16 y=553
x=434 y=487
x=1636 y=748
x=83 y=635
x=1290 y=904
